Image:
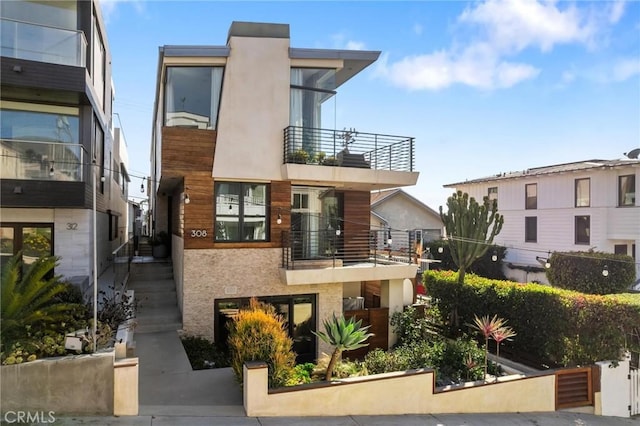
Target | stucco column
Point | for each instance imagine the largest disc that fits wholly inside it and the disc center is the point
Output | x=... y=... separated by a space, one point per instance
x=391 y=296
x=615 y=388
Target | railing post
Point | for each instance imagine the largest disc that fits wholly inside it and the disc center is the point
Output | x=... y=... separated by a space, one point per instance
x=411 y=156
x=390 y=159
x=375 y=150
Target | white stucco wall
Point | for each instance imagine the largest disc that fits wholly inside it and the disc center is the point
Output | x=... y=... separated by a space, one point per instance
x=254 y=110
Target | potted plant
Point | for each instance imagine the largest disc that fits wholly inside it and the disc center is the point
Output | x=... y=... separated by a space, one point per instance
x=160 y=245
x=299 y=156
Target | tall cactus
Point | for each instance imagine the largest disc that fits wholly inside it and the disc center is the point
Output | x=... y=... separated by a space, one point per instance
x=471 y=228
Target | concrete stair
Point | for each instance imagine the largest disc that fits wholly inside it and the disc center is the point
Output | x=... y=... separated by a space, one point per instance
x=155 y=293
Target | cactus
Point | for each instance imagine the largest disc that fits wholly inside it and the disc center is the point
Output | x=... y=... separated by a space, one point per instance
x=471 y=228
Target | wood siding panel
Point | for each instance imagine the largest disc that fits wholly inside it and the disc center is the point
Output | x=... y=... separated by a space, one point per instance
x=199 y=214
x=357 y=215
x=378 y=319
x=186 y=151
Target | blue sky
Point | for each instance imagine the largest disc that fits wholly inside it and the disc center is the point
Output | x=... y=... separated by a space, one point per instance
x=484 y=87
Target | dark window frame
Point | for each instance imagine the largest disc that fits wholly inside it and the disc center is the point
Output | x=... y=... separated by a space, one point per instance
x=528 y=220
x=622 y=196
x=240 y=214
x=18 y=234
x=586 y=238
x=530 y=202
x=575 y=192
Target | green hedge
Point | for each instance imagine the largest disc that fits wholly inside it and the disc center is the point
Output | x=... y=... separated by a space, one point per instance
x=553 y=325
x=582 y=271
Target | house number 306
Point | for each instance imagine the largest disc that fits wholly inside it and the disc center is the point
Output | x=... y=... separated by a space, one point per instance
x=198 y=233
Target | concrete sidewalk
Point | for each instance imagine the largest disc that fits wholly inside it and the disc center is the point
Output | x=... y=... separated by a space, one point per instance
x=523 y=419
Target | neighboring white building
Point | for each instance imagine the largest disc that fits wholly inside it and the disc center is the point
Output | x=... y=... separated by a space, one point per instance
x=577 y=206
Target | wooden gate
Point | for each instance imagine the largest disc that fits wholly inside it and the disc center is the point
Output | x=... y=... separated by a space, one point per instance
x=634 y=375
x=574 y=388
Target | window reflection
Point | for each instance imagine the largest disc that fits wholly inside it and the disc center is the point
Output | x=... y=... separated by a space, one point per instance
x=192 y=96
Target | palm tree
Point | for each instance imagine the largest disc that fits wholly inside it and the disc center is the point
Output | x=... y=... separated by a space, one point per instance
x=29 y=299
x=344 y=335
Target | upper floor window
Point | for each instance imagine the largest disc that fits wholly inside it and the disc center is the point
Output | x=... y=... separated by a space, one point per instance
x=627 y=190
x=531 y=229
x=531 y=201
x=583 y=229
x=98 y=62
x=40 y=142
x=310 y=89
x=492 y=193
x=241 y=212
x=583 y=192
x=192 y=96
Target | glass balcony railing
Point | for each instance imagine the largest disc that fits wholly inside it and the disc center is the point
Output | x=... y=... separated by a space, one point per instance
x=40 y=43
x=31 y=160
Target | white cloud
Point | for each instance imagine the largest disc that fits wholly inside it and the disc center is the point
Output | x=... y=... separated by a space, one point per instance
x=340 y=41
x=568 y=76
x=516 y=25
x=624 y=69
x=617 y=10
x=417 y=29
x=110 y=7
x=354 y=45
x=503 y=29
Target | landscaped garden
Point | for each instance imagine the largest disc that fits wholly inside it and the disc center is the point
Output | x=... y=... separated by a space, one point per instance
x=39 y=309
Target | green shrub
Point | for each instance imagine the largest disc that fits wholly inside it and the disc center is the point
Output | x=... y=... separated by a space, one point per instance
x=301 y=374
x=258 y=334
x=378 y=361
x=484 y=266
x=204 y=354
x=582 y=271
x=413 y=325
x=555 y=326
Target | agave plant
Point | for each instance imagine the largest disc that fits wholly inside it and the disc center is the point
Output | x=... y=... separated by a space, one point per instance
x=344 y=335
x=29 y=299
x=487 y=326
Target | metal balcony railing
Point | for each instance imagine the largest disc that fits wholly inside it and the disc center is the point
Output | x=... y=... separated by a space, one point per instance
x=23 y=40
x=376 y=247
x=348 y=148
x=33 y=160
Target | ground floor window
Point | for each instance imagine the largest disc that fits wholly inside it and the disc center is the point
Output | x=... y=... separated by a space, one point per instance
x=34 y=240
x=298 y=312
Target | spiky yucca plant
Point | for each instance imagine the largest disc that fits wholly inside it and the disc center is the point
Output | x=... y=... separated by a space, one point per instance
x=29 y=299
x=344 y=335
x=500 y=335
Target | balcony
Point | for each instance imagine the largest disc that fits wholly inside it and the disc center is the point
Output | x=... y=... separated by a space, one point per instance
x=40 y=43
x=359 y=160
x=34 y=160
x=327 y=256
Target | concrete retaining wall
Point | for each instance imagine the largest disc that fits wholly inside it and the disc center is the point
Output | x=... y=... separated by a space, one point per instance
x=84 y=384
x=410 y=392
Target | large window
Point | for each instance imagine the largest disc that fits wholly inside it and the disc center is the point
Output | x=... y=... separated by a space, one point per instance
x=492 y=193
x=531 y=202
x=33 y=240
x=531 y=229
x=192 y=96
x=98 y=62
x=583 y=229
x=298 y=313
x=627 y=190
x=241 y=211
x=583 y=192
x=40 y=142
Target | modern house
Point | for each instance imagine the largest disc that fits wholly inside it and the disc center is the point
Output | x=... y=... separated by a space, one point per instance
x=577 y=206
x=260 y=198
x=58 y=145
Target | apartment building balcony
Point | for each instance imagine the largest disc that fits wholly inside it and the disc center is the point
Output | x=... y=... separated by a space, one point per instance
x=334 y=256
x=36 y=160
x=348 y=158
x=33 y=42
